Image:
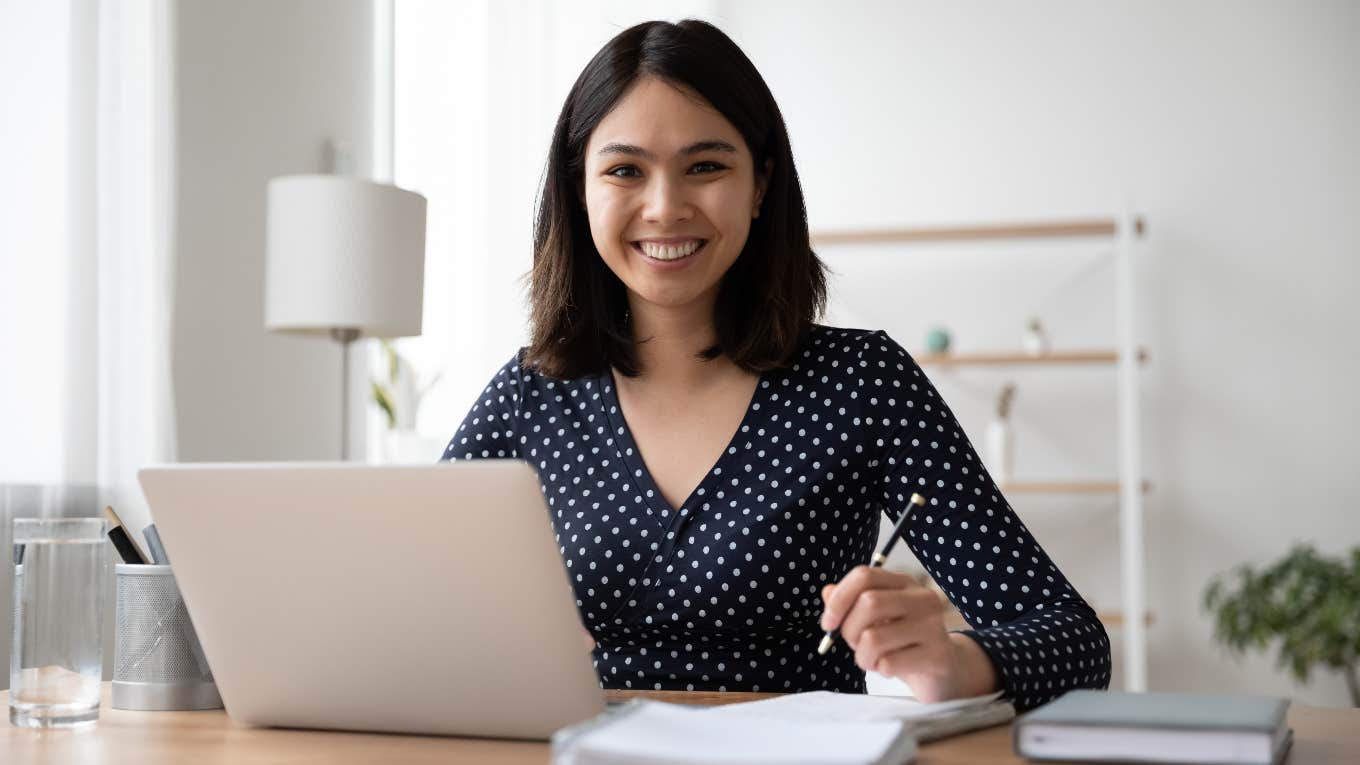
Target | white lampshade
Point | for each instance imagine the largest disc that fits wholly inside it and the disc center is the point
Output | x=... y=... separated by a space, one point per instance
x=344 y=253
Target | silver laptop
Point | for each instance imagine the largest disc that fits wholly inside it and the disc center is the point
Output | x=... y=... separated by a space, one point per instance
x=427 y=599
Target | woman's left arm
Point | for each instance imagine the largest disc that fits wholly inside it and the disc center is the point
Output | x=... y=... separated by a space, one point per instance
x=1037 y=635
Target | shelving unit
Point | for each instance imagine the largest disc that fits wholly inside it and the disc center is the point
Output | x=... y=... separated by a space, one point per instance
x=1123 y=232
x=1112 y=620
x=1067 y=487
x=1007 y=358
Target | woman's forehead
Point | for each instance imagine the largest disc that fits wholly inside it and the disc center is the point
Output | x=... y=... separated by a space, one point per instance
x=663 y=119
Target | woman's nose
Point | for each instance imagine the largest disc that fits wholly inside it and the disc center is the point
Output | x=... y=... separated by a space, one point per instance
x=666 y=202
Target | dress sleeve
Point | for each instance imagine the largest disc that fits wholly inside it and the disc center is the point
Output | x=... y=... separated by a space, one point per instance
x=1041 y=636
x=488 y=430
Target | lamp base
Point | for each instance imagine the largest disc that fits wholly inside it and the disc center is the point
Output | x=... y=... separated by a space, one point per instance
x=345 y=336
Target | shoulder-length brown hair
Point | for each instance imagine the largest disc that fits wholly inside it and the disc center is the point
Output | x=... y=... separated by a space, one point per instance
x=776 y=287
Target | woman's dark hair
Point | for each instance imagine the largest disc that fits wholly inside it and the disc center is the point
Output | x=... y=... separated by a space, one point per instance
x=776 y=287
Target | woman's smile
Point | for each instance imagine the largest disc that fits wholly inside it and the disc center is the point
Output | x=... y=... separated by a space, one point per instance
x=668 y=252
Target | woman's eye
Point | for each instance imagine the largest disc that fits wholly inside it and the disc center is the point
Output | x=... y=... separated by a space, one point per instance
x=623 y=171
x=707 y=167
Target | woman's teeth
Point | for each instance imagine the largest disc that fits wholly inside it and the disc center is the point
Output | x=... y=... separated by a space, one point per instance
x=670 y=251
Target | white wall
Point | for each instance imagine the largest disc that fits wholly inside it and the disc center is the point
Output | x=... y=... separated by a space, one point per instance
x=261 y=86
x=40 y=156
x=1233 y=127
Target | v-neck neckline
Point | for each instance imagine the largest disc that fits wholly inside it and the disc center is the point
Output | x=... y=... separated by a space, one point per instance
x=657 y=505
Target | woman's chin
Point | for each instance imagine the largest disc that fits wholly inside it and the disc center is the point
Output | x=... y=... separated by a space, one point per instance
x=674 y=297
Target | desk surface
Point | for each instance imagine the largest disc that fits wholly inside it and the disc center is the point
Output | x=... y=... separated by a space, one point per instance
x=1322 y=735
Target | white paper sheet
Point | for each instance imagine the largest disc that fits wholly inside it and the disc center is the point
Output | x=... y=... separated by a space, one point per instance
x=828 y=706
x=654 y=732
x=924 y=721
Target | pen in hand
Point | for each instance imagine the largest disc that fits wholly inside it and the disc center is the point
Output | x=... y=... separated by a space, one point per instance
x=882 y=557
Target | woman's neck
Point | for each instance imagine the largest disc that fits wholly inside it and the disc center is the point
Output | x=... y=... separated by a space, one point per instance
x=670 y=341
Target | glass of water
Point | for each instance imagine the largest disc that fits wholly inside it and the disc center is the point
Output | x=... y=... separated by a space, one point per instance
x=57 y=658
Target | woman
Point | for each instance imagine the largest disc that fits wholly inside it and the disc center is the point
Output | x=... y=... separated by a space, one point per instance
x=715 y=463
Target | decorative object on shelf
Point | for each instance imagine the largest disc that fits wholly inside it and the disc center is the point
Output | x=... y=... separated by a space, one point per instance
x=937 y=340
x=1036 y=340
x=1309 y=603
x=1000 y=438
x=345 y=258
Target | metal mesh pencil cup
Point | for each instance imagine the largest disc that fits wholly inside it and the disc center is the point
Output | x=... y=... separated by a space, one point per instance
x=158 y=663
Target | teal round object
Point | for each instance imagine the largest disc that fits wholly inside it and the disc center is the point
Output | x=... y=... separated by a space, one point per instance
x=937 y=340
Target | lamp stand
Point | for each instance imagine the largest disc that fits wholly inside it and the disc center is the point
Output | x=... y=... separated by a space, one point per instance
x=345 y=336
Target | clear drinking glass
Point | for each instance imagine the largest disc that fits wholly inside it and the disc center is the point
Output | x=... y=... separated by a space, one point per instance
x=57 y=656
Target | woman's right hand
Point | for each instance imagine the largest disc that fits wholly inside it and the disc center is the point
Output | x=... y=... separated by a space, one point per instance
x=590 y=641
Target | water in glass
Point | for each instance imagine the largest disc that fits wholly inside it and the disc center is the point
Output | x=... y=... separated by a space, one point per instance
x=57 y=654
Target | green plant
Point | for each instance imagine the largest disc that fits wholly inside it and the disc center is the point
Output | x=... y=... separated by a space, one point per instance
x=399 y=396
x=1310 y=604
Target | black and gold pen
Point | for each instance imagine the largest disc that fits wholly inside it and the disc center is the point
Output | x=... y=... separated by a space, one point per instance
x=122 y=541
x=879 y=559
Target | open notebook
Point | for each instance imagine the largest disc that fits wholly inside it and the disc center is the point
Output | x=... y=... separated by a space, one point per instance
x=818 y=727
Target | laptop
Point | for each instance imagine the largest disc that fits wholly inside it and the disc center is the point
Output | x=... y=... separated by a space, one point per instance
x=416 y=599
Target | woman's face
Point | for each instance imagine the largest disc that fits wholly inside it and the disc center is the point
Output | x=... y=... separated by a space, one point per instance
x=670 y=190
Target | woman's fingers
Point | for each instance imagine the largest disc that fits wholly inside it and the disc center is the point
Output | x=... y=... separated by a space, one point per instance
x=589 y=639
x=874 y=607
x=877 y=642
x=839 y=598
x=925 y=659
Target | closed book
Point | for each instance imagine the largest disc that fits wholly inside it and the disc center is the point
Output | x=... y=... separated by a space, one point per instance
x=1114 y=726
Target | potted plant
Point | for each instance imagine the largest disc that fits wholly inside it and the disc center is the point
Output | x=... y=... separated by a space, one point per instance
x=399 y=397
x=1307 y=603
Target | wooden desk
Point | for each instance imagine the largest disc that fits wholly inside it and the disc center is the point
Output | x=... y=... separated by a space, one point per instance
x=1322 y=735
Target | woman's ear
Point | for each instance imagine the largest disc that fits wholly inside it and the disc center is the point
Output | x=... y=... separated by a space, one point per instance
x=762 y=184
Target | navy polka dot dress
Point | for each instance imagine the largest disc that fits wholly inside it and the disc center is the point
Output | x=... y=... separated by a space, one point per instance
x=722 y=593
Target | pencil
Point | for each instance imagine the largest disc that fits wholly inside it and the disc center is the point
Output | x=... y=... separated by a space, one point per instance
x=882 y=557
x=121 y=541
x=155 y=546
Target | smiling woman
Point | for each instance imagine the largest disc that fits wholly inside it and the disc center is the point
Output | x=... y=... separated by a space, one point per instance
x=715 y=463
x=670 y=139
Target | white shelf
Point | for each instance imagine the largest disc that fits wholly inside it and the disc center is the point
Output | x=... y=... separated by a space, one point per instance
x=1126 y=357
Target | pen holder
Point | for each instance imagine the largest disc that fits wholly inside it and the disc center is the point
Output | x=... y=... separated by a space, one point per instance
x=158 y=663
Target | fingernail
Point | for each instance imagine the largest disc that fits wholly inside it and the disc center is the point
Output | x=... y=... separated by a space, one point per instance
x=827 y=621
x=879 y=667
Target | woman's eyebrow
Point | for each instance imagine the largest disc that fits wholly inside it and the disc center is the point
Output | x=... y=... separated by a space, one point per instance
x=694 y=148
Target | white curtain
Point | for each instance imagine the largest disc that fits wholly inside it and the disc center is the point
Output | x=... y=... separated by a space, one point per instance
x=86 y=268
x=477 y=88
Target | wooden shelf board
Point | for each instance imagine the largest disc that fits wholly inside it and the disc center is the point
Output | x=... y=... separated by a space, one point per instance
x=980 y=232
x=1111 y=619
x=1066 y=487
x=1012 y=358
x=1115 y=619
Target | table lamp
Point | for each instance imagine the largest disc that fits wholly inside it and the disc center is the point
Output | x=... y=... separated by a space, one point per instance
x=345 y=258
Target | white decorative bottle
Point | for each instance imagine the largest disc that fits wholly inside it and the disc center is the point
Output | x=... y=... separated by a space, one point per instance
x=1035 y=341
x=1000 y=439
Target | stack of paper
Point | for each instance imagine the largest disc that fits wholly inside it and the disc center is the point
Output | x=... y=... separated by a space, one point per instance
x=924 y=721
x=820 y=727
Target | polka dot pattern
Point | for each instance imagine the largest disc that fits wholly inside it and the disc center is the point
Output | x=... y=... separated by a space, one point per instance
x=721 y=593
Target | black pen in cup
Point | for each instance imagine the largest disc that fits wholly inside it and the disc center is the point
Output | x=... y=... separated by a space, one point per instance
x=882 y=557
x=122 y=541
